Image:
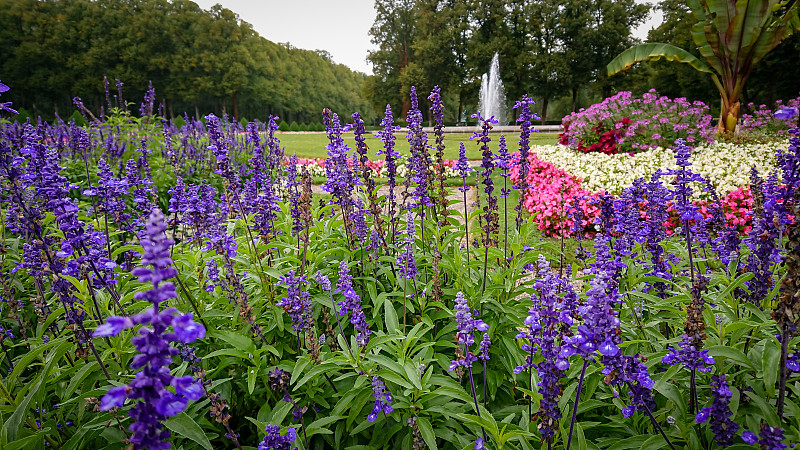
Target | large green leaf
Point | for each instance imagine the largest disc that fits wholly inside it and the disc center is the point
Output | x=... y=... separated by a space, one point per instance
x=654 y=52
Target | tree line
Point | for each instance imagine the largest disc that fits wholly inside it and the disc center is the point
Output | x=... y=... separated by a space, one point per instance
x=554 y=51
x=198 y=60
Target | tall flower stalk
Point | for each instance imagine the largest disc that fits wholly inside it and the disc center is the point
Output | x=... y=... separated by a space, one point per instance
x=490 y=217
x=153 y=343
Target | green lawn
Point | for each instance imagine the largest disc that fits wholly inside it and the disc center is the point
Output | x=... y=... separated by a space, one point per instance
x=312 y=145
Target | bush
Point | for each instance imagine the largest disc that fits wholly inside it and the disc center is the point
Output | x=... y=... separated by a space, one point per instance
x=294 y=126
x=283 y=126
x=624 y=124
x=179 y=122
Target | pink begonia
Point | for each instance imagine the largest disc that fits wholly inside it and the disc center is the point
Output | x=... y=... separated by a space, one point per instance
x=551 y=194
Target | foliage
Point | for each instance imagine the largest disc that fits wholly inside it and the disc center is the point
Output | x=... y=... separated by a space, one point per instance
x=358 y=320
x=732 y=37
x=197 y=60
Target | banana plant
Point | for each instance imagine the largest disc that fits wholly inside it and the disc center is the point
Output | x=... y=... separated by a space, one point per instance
x=732 y=36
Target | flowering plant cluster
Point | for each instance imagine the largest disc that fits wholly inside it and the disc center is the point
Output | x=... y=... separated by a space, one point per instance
x=187 y=287
x=625 y=124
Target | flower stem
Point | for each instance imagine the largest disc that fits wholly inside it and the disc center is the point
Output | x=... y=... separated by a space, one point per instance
x=474 y=394
x=577 y=399
x=783 y=375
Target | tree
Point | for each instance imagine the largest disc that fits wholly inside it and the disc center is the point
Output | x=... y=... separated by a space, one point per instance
x=394 y=31
x=732 y=36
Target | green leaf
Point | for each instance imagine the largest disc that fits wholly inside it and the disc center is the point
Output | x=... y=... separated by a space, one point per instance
x=392 y=323
x=188 y=428
x=770 y=360
x=426 y=430
x=733 y=354
x=13 y=423
x=251 y=380
x=654 y=52
x=238 y=341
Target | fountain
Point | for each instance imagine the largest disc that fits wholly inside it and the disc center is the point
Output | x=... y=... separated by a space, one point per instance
x=492 y=100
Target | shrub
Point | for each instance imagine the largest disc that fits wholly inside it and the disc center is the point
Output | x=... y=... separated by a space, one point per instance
x=294 y=126
x=283 y=126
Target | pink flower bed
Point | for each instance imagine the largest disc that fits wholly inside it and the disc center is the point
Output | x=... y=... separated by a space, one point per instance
x=552 y=193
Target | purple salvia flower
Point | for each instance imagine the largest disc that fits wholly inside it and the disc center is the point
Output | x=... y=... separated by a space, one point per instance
x=524 y=119
x=146 y=108
x=503 y=162
x=340 y=178
x=294 y=195
x=153 y=344
x=548 y=322
x=770 y=438
x=352 y=304
x=386 y=135
x=484 y=347
x=689 y=355
x=275 y=441
x=383 y=399
x=491 y=220
x=720 y=413
x=297 y=302
x=462 y=167
x=407 y=264
x=420 y=163
x=213 y=274
x=466 y=325
x=6 y=106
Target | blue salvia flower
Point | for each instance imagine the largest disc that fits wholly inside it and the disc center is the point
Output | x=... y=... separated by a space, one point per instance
x=407 y=264
x=524 y=119
x=383 y=399
x=503 y=162
x=153 y=345
x=274 y=440
x=770 y=438
x=352 y=304
x=462 y=167
x=548 y=322
x=146 y=108
x=689 y=355
x=419 y=164
x=6 y=106
x=297 y=302
x=386 y=135
x=340 y=178
x=491 y=219
x=466 y=325
x=720 y=413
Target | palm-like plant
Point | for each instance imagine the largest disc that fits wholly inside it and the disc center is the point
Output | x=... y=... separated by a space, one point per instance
x=732 y=36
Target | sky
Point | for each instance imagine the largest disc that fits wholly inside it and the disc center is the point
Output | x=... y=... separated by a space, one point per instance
x=341 y=28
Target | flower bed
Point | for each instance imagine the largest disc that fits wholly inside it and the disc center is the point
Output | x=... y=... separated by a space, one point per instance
x=558 y=174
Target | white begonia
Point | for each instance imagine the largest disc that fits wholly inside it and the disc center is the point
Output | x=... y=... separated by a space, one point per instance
x=726 y=165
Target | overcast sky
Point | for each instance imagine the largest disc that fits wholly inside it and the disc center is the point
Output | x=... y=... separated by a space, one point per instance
x=341 y=28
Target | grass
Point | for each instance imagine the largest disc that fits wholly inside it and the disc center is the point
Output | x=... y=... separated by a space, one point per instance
x=312 y=145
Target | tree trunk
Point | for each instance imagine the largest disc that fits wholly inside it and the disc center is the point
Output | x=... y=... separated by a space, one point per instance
x=460 y=109
x=404 y=110
x=235 y=107
x=545 y=101
x=196 y=111
x=729 y=115
x=574 y=99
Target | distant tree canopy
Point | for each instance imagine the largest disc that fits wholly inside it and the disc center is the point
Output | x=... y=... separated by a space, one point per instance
x=553 y=51
x=198 y=61
x=546 y=48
